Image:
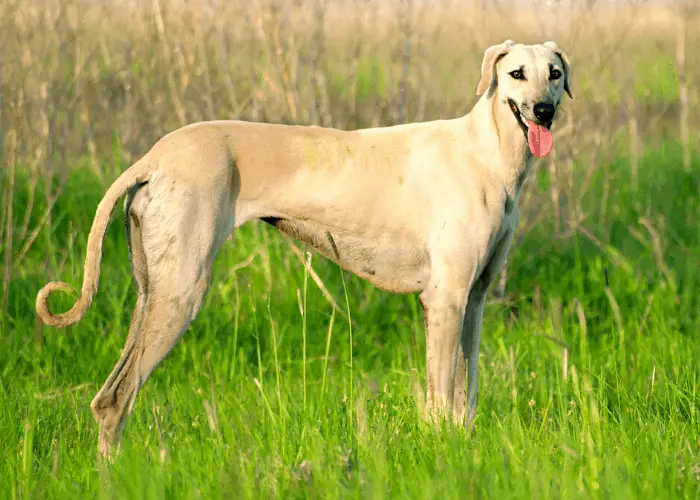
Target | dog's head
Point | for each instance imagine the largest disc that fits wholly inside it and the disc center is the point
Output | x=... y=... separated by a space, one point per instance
x=530 y=80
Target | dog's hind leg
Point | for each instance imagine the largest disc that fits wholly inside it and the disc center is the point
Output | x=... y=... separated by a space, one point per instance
x=178 y=242
x=107 y=395
x=132 y=207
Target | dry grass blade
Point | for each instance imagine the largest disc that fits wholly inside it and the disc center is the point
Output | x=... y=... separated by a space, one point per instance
x=608 y=250
x=645 y=316
x=657 y=246
x=317 y=279
x=174 y=94
x=681 y=42
x=212 y=418
x=616 y=312
x=247 y=261
x=58 y=393
x=163 y=450
x=556 y=340
x=581 y=317
x=9 y=226
x=43 y=222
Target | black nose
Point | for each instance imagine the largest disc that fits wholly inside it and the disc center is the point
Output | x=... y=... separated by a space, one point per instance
x=544 y=112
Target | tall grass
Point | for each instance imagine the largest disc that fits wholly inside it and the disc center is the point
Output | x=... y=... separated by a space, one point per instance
x=299 y=380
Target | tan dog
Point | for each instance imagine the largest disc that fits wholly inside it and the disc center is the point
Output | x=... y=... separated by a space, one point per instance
x=425 y=208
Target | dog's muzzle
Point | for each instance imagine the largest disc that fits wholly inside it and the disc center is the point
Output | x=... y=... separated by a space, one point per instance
x=544 y=114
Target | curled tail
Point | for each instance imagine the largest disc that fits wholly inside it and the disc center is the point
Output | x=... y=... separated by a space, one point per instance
x=137 y=173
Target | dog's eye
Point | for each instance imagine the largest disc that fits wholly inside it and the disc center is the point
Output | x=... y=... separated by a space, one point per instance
x=517 y=74
x=555 y=74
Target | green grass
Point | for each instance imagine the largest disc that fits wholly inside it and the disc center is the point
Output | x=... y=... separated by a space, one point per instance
x=314 y=422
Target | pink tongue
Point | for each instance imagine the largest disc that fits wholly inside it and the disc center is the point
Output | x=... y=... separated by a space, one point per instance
x=539 y=139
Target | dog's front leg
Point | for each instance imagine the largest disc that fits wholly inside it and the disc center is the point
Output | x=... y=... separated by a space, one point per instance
x=471 y=338
x=443 y=310
x=473 y=319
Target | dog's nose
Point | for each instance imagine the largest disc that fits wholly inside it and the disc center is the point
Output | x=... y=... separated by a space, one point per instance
x=544 y=112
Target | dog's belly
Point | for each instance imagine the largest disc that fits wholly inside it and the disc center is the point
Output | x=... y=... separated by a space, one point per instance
x=400 y=266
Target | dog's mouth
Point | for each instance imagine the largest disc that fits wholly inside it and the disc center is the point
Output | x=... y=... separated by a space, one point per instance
x=538 y=136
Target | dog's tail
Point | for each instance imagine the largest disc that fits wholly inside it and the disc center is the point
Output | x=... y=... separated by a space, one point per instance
x=136 y=174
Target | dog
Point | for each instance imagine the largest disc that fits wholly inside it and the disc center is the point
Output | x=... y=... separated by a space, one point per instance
x=427 y=208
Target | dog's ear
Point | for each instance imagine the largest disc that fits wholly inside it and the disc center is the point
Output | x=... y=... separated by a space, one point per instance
x=567 y=67
x=488 y=65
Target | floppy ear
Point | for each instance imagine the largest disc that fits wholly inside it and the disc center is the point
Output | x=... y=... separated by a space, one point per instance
x=567 y=67
x=488 y=64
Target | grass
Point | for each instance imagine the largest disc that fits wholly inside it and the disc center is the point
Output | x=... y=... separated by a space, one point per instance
x=259 y=400
x=589 y=385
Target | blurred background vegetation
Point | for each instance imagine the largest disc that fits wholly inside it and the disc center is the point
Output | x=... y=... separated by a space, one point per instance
x=95 y=83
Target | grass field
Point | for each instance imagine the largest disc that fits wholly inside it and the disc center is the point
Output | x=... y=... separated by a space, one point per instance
x=589 y=380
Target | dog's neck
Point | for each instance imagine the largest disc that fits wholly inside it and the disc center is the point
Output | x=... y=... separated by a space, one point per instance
x=500 y=132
